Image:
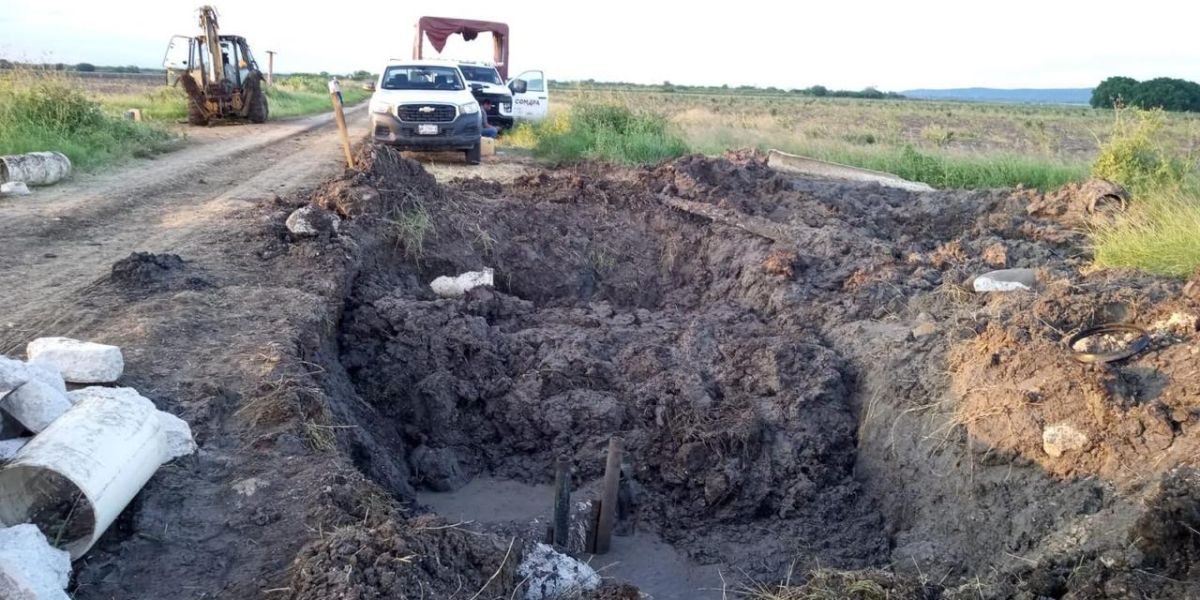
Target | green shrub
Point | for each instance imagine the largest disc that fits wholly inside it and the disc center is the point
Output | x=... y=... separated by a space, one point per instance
x=607 y=132
x=40 y=111
x=1113 y=92
x=1162 y=92
x=1133 y=158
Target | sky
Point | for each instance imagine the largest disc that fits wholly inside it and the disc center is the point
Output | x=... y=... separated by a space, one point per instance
x=841 y=44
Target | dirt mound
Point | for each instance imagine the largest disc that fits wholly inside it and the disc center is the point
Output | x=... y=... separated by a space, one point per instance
x=421 y=558
x=1022 y=390
x=144 y=271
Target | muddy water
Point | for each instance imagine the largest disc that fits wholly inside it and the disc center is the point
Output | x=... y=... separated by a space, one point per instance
x=642 y=558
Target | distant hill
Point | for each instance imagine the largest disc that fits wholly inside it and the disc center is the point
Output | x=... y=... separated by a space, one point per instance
x=1020 y=96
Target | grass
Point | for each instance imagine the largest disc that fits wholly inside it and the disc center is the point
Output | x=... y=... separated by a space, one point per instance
x=289 y=97
x=1160 y=234
x=602 y=131
x=43 y=111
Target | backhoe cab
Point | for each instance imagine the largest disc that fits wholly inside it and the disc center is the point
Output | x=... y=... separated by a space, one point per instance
x=218 y=72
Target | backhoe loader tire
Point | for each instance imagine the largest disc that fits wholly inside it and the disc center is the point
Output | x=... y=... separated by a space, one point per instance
x=259 y=111
x=475 y=154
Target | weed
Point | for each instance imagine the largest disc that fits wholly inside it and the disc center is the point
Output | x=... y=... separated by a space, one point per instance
x=412 y=226
x=1132 y=156
x=1157 y=233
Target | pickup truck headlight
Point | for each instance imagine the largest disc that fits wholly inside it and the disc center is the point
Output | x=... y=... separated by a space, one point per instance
x=380 y=107
x=469 y=108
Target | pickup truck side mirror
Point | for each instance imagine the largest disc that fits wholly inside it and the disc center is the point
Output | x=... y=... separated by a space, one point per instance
x=518 y=86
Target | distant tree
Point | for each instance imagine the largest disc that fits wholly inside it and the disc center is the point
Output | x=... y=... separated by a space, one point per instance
x=1168 y=94
x=5 y=64
x=360 y=74
x=818 y=91
x=85 y=68
x=1112 y=91
x=60 y=67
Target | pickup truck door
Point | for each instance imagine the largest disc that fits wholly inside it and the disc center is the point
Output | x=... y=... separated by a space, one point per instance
x=534 y=103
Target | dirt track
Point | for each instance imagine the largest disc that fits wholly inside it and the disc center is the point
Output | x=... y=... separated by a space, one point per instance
x=66 y=236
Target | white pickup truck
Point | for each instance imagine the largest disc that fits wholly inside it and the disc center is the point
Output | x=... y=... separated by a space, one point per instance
x=525 y=97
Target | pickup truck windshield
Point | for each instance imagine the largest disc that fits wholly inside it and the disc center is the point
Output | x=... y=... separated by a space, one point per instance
x=421 y=77
x=481 y=74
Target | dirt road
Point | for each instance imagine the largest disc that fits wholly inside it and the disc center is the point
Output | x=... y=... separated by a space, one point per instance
x=64 y=237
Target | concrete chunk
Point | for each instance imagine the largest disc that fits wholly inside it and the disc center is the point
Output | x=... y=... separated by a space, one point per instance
x=455 y=287
x=176 y=434
x=35 y=405
x=1006 y=280
x=552 y=575
x=30 y=568
x=312 y=221
x=79 y=362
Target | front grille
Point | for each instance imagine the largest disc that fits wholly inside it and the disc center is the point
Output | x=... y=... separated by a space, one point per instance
x=426 y=113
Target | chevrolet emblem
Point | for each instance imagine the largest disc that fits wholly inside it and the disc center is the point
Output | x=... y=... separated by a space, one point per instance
x=426 y=109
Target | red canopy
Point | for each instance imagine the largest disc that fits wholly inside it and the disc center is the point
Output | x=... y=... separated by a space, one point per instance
x=439 y=29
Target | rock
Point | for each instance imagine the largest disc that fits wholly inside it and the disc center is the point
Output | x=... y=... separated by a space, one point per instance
x=996 y=255
x=924 y=329
x=35 y=405
x=10 y=447
x=79 y=362
x=455 y=287
x=30 y=568
x=1006 y=280
x=176 y=434
x=312 y=221
x=551 y=575
x=1061 y=438
x=14 y=188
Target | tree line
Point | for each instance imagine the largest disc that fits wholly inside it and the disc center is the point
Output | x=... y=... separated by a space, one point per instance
x=1163 y=92
x=818 y=91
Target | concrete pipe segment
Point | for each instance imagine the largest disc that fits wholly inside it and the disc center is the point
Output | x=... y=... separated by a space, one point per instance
x=35 y=168
x=74 y=478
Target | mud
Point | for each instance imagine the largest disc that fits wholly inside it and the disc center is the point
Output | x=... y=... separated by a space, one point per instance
x=809 y=394
x=749 y=336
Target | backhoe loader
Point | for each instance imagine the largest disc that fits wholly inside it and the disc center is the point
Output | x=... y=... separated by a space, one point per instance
x=218 y=73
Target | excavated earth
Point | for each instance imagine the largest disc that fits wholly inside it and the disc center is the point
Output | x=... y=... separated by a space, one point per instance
x=800 y=371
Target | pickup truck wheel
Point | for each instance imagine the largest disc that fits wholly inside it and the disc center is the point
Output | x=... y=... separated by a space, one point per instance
x=475 y=154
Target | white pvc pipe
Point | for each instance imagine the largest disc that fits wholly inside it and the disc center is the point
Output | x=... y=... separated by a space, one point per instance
x=35 y=168
x=74 y=478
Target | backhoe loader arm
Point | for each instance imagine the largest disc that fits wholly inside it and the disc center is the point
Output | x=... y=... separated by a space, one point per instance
x=212 y=40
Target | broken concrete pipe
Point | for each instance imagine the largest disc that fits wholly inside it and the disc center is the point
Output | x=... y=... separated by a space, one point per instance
x=31 y=395
x=456 y=287
x=79 y=362
x=1006 y=280
x=30 y=568
x=35 y=168
x=74 y=478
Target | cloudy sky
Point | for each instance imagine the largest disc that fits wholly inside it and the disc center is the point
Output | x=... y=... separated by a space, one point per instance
x=849 y=44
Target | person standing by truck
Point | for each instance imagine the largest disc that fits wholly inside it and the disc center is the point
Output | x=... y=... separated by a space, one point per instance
x=335 y=88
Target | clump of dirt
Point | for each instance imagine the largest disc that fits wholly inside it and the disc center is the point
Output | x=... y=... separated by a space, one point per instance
x=147 y=271
x=1169 y=532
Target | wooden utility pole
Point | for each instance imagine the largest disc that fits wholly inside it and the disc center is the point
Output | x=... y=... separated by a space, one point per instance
x=270 y=67
x=341 y=121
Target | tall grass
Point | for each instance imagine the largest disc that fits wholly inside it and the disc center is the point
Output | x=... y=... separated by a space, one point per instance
x=1160 y=232
x=949 y=170
x=44 y=111
x=602 y=131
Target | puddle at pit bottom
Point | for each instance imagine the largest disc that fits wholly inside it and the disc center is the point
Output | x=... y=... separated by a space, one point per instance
x=642 y=559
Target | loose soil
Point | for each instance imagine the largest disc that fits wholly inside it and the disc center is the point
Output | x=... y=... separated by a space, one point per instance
x=802 y=379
